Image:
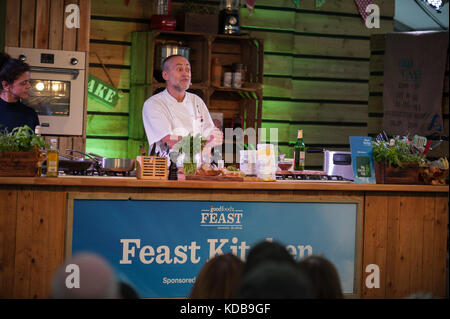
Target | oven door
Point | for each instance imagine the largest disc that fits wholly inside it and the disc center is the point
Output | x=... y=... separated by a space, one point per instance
x=57 y=95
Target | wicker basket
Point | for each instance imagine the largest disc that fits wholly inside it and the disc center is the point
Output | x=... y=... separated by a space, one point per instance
x=151 y=167
x=20 y=164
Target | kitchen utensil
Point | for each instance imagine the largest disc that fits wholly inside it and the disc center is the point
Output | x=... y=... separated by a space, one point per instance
x=115 y=164
x=169 y=48
x=111 y=164
x=336 y=163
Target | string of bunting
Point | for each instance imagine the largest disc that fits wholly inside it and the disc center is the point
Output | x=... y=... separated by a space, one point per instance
x=362 y=5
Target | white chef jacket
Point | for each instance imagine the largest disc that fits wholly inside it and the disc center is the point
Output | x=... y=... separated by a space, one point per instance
x=164 y=115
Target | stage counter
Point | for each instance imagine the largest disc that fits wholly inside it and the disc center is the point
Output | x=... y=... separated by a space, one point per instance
x=387 y=241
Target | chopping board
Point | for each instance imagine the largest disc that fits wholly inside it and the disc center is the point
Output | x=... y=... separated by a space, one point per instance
x=214 y=178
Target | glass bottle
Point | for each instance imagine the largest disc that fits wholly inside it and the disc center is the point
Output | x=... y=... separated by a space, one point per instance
x=216 y=73
x=37 y=132
x=52 y=159
x=299 y=152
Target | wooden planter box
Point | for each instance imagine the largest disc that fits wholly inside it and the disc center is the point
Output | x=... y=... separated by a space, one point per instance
x=198 y=22
x=20 y=164
x=407 y=174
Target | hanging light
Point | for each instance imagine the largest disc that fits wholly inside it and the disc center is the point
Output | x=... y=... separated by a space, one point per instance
x=436 y=4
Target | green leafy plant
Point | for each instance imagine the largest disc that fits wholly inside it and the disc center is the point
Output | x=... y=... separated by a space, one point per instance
x=396 y=153
x=190 y=146
x=21 y=139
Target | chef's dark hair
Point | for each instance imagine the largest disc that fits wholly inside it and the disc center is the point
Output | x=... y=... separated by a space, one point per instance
x=170 y=58
x=11 y=69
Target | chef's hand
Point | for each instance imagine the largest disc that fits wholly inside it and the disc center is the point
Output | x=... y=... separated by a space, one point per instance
x=215 y=139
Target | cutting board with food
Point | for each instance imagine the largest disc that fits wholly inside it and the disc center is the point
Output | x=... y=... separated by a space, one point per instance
x=212 y=173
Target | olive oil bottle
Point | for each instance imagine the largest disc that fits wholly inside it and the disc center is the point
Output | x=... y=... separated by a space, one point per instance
x=52 y=159
x=299 y=152
x=37 y=132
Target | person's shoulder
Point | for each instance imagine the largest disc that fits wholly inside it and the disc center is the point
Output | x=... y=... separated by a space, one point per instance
x=155 y=100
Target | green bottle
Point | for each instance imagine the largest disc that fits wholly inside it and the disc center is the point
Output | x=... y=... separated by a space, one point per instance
x=299 y=152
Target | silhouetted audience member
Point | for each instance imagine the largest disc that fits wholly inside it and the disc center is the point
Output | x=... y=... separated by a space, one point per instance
x=96 y=279
x=218 y=278
x=127 y=291
x=275 y=280
x=323 y=276
x=266 y=251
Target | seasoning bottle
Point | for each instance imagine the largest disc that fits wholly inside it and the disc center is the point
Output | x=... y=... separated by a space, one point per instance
x=238 y=75
x=37 y=132
x=216 y=72
x=52 y=159
x=299 y=152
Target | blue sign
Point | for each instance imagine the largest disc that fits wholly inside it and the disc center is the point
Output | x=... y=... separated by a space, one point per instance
x=160 y=246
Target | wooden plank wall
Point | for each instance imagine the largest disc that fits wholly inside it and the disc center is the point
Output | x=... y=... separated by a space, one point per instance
x=316 y=70
x=400 y=236
x=32 y=230
x=375 y=111
x=40 y=24
x=112 y=23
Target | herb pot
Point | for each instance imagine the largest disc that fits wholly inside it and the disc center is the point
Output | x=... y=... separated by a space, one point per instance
x=190 y=168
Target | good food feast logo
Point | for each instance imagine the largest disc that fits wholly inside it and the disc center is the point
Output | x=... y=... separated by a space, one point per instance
x=221 y=217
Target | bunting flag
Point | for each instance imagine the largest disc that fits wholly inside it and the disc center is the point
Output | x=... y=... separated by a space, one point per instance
x=362 y=5
x=127 y=2
x=297 y=3
x=250 y=5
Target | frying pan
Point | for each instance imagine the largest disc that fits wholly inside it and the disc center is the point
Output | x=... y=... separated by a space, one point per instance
x=72 y=165
x=110 y=164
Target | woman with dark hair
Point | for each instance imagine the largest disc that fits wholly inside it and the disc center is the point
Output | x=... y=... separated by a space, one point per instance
x=15 y=86
x=324 y=277
x=218 y=278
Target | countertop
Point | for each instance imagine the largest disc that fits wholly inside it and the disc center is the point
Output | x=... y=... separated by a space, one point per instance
x=110 y=181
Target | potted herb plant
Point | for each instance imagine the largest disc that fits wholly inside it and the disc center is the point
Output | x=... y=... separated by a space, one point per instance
x=191 y=146
x=195 y=16
x=20 y=152
x=396 y=161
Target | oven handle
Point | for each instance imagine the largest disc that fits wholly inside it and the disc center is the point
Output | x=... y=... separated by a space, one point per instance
x=59 y=71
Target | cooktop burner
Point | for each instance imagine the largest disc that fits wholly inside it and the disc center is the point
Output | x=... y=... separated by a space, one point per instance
x=310 y=176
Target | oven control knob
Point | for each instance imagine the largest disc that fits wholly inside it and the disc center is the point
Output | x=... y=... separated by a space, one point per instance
x=22 y=57
x=74 y=61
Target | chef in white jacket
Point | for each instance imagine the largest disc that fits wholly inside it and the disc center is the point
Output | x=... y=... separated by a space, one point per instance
x=174 y=113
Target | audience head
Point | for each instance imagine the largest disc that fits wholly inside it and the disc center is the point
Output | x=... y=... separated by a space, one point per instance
x=127 y=291
x=218 y=278
x=265 y=251
x=96 y=279
x=323 y=276
x=275 y=280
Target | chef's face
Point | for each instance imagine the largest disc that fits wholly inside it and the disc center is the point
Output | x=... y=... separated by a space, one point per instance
x=177 y=73
x=20 y=88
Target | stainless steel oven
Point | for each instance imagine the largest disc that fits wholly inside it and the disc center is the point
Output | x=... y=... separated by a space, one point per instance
x=57 y=88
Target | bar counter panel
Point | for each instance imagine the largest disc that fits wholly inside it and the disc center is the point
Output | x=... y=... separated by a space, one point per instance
x=404 y=227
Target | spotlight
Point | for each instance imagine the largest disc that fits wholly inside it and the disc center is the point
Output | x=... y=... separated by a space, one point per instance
x=436 y=4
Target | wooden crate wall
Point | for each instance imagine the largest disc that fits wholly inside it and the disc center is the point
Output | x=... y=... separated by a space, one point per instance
x=375 y=111
x=112 y=23
x=40 y=24
x=316 y=70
